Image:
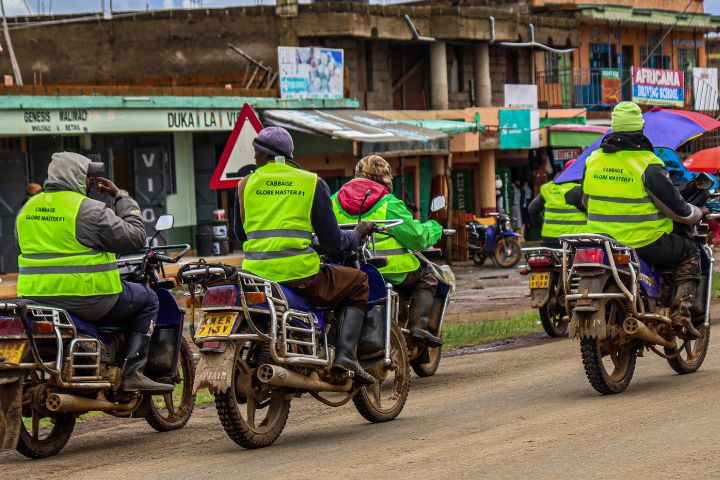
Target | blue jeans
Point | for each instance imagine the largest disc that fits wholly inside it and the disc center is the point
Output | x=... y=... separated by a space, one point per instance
x=136 y=308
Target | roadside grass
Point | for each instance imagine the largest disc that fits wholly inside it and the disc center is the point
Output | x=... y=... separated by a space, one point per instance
x=716 y=285
x=456 y=335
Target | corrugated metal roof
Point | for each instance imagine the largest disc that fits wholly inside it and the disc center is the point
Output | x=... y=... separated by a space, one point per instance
x=446 y=126
x=640 y=16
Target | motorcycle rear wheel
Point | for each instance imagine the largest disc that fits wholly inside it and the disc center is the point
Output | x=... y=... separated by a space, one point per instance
x=238 y=408
x=164 y=413
x=551 y=316
x=393 y=381
x=692 y=353
x=602 y=380
x=39 y=441
x=513 y=256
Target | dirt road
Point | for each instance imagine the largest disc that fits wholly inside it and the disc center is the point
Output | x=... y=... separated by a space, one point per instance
x=522 y=413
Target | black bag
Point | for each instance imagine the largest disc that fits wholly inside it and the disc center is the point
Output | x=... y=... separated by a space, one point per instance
x=372 y=336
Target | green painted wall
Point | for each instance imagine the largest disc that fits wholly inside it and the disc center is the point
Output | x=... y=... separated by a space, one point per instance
x=182 y=203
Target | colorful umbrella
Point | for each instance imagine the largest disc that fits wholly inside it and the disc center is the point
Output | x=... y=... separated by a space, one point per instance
x=664 y=128
x=707 y=161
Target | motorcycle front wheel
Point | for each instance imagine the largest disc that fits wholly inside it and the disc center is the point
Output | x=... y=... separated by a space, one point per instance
x=253 y=415
x=507 y=252
x=692 y=353
x=384 y=400
x=427 y=363
x=172 y=411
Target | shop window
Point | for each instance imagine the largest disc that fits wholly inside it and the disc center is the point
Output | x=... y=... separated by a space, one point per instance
x=603 y=55
x=687 y=59
x=552 y=65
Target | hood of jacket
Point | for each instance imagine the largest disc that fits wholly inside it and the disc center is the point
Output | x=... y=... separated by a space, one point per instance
x=68 y=171
x=618 y=142
x=351 y=195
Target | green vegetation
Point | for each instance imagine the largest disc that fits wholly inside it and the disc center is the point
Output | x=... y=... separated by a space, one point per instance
x=457 y=335
x=716 y=284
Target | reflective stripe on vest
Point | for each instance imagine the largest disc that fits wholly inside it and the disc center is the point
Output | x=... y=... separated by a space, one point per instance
x=53 y=262
x=278 y=204
x=399 y=259
x=560 y=218
x=618 y=204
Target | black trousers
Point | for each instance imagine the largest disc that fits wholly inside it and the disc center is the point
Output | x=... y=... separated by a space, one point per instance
x=674 y=251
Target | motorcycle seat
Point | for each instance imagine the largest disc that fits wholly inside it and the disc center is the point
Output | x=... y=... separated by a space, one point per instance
x=95 y=329
x=296 y=301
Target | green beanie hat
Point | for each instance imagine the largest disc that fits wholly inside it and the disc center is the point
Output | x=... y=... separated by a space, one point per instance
x=627 y=117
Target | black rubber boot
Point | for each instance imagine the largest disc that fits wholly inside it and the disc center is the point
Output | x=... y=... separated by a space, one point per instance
x=419 y=315
x=348 y=335
x=136 y=356
x=682 y=303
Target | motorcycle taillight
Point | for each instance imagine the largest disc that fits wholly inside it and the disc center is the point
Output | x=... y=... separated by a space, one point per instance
x=220 y=296
x=11 y=326
x=540 y=261
x=589 y=255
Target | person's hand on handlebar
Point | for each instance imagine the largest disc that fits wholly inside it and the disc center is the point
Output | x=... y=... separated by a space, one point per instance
x=365 y=228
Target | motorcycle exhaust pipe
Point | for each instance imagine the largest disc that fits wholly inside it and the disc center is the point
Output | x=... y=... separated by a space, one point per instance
x=284 y=378
x=635 y=328
x=65 y=403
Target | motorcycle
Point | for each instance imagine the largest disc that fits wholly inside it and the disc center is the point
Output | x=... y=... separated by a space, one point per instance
x=622 y=305
x=498 y=242
x=547 y=295
x=262 y=345
x=55 y=366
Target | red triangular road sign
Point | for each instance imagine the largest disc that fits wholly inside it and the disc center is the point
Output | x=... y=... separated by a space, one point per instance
x=238 y=151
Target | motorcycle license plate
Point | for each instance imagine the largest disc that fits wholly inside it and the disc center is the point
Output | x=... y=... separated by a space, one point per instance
x=11 y=351
x=539 y=280
x=216 y=325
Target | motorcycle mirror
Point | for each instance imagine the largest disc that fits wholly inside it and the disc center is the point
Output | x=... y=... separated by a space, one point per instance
x=164 y=222
x=704 y=181
x=438 y=203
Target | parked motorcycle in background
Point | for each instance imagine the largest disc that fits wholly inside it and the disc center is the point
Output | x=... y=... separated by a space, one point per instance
x=499 y=242
x=54 y=366
x=262 y=345
x=547 y=293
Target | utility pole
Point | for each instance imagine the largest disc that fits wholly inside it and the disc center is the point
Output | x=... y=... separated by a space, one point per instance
x=13 y=60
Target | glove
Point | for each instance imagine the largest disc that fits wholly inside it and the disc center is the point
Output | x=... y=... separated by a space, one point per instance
x=365 y=228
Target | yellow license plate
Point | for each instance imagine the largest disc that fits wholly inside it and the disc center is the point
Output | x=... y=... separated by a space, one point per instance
x=539 y=280
x=216 y=325
x=11 y=351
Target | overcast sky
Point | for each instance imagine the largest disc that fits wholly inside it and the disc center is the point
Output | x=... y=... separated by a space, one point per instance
x=21 y=7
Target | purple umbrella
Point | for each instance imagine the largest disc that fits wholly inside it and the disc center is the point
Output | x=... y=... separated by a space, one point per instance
x=664 y=128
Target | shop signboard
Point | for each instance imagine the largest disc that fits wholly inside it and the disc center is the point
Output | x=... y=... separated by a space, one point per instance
x=521 y=95
x=519 y=129
x=611 y=86
x=705 y=89
x=310 y=72
x=150 y=166
x=653 y=86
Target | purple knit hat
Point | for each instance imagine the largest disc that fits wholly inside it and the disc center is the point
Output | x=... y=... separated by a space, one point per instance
x=275 y=141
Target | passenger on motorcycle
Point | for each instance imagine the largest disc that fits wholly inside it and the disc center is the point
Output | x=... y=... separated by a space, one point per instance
x=373 y=174
x=68 y=245
x=279 y=207
x=629 y=196
x=552 y=210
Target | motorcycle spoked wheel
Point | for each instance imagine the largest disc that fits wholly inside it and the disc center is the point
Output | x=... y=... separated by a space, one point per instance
x=692 y=352
x=609 y=372
x=252 y=414
x=41 y=440
x=509 y=258
x=384 y=400
x=551 y=316
x=427 y=363
x=172 y=411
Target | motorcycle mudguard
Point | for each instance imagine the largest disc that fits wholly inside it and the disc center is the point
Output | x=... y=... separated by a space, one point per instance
x=539 y=297
x=10 y=409
x=588 y=321
x=215 y=370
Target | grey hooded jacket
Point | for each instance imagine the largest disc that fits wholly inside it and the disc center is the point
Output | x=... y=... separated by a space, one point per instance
x=98 y=227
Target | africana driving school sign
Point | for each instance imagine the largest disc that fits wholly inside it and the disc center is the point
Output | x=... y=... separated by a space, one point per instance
x=652 y=86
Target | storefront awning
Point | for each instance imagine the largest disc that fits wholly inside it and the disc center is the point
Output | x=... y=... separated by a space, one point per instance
x=581 y=136
x=370 y=133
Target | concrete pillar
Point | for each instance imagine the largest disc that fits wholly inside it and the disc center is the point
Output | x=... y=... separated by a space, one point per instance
x=486 y=182
x=483 y=84
x=438 y=76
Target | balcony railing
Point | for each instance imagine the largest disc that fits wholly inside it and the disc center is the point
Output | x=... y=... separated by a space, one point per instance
x=583 y=88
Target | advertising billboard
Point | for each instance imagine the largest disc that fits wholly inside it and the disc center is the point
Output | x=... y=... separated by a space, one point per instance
x=653 y=86
x=310 y=72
